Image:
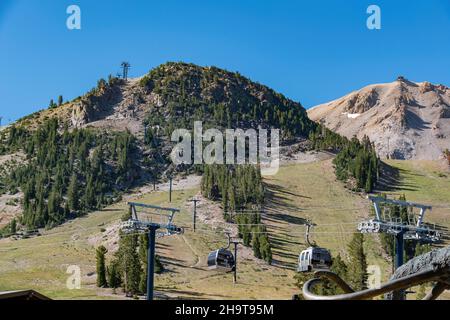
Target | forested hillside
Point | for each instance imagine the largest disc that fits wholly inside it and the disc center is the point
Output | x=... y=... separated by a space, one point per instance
x=242 y=193
x=67 y=173
x=82 y=154
x=356 y=163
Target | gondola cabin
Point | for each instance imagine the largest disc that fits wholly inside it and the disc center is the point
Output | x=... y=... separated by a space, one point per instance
x=221 y=259
x=314 y=258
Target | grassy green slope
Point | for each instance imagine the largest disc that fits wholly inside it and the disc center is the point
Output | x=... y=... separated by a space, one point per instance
x=41 y=263
x=426 y=182
x=297 y=192
x=310 y=191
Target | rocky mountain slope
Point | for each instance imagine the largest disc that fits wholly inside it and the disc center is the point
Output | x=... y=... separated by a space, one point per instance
x=405 y=120
x=180 y=93
x=84 y=154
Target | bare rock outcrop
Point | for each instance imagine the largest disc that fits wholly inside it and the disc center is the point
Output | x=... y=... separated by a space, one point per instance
x=404 y=119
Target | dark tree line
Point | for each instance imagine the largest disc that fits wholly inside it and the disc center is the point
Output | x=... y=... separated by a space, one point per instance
x=128 y=266
x=356 y=161
x=221 y=99
x=67 y=173
x=239 y=188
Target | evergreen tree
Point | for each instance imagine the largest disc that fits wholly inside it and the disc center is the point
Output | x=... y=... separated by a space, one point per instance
x=256 y=247
x=114 y=280
x=340 y=268
x=13 y=226
x=54 y=206
x=357 y=266
x=89 y=195
x=143 y=245
x=130 y=263
x=101 y=267
x=265 y=249
x=72 y=194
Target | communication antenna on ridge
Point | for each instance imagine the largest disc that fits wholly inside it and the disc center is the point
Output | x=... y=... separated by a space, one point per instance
x=125 y=67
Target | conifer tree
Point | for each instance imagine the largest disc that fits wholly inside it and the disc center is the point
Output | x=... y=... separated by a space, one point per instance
x=143 y=245
x=101 y=267
x=72 y=193
x=256 y=247
x=89 y=195
x=54 y=206
x=340 y=268
x=357 y=266
x=113 y=275
x=130 y=263
x=13 y=226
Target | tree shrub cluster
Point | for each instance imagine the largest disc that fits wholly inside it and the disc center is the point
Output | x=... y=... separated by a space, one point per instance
x=356 y=161
x=222 y=99
x=128 y=266
x=240 y=188
x=67 y=173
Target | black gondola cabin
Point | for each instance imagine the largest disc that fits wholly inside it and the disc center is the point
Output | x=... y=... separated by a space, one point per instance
x=221 y=259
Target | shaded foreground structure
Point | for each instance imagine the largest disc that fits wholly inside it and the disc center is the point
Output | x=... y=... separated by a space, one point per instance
x=433 y=266
x=22 y=295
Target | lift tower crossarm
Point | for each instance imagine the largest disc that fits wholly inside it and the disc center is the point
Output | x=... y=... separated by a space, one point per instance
x=152 y=207
x=377 y=200
x=401 y=231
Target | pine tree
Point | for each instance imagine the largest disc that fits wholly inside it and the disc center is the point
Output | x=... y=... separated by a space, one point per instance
x=357 y=266
x=60 y=100
x=54 y=206
x=13 y=226
x=265 y=249
x=114 y=275
x=72 y=194
x=101 y=267
x=89 y=195
x=143 y=245
x=130 y=263
x=340 y=268
x=256 y=247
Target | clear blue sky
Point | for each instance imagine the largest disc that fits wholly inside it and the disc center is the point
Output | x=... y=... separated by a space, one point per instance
x=311 y=51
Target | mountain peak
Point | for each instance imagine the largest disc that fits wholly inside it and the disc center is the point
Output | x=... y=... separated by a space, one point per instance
x=405 y=119
x=179 y=93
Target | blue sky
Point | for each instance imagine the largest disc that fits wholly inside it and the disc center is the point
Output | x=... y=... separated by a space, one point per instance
x=311 y=51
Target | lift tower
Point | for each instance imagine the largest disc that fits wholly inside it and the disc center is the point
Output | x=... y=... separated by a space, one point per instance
x=154 y=223
x=412 y=229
